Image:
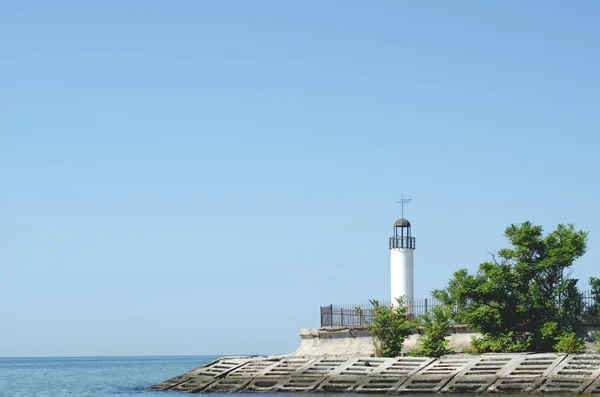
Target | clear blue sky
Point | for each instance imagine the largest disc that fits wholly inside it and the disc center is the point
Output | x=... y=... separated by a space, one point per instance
x=198 y=177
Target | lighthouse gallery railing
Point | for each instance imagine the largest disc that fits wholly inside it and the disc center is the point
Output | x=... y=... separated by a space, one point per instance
x=402 y=242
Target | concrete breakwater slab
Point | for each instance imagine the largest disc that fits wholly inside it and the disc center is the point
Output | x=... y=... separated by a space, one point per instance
x=573 y=375
x=432 y=378
x=527 y=373
x=277 y=376
x=204 y=376
x=401 y=367
x=343 y=374
x=239 y=378
x=389 y=376
x=322 y=367
x=578 y=365
x=347 y=377
x=171 y=383
x=481 y=372
x=287 y=384
x=370 y=374
x=286 y=367
x=197 y=379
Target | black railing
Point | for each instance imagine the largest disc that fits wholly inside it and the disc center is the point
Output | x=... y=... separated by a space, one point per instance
x=402 y=242
x=361 y=315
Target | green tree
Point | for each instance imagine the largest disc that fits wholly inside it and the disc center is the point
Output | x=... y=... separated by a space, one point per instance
x=390 y=326
x=436 y=324
x=522 y=299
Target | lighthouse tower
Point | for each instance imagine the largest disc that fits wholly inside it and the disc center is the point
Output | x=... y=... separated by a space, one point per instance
x=402 y=247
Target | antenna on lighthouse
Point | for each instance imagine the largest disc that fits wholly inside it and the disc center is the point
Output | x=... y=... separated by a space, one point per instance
x=403 y=201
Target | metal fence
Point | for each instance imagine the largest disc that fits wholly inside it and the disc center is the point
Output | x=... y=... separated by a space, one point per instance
x=361 y=314
x=590 y=312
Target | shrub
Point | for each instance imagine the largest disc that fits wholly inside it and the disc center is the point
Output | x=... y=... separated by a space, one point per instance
x=597 y=340
x=472 y=349
x=434 y=342
x=548 y=334
x=508 y=342
x=568 y=342
x=390 y=326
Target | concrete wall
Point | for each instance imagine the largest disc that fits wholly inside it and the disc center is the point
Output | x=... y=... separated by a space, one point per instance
x=351 y=341
x=357 y=341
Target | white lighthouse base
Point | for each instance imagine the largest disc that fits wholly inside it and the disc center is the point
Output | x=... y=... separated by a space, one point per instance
x=402 y=274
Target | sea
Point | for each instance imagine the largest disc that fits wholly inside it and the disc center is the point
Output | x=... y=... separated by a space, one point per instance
x=91 y=376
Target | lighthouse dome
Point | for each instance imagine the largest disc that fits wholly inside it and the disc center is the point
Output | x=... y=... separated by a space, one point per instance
x=402 y=223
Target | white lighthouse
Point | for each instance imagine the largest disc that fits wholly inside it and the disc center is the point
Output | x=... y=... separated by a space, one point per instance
x=402 y=247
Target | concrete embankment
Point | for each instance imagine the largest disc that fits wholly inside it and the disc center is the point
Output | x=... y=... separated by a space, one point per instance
x=342 y=360
x=549 y=373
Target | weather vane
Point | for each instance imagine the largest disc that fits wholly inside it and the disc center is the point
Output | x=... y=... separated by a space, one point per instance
x=403 y=201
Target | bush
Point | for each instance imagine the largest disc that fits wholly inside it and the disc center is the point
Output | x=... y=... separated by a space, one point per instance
x=568 y=342
x=437 y=325
x=390 y=326
x=501 y=343
x=597 y=340
x=548 y=334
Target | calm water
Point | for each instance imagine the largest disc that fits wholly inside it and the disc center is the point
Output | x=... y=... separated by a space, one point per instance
x=91 y=376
